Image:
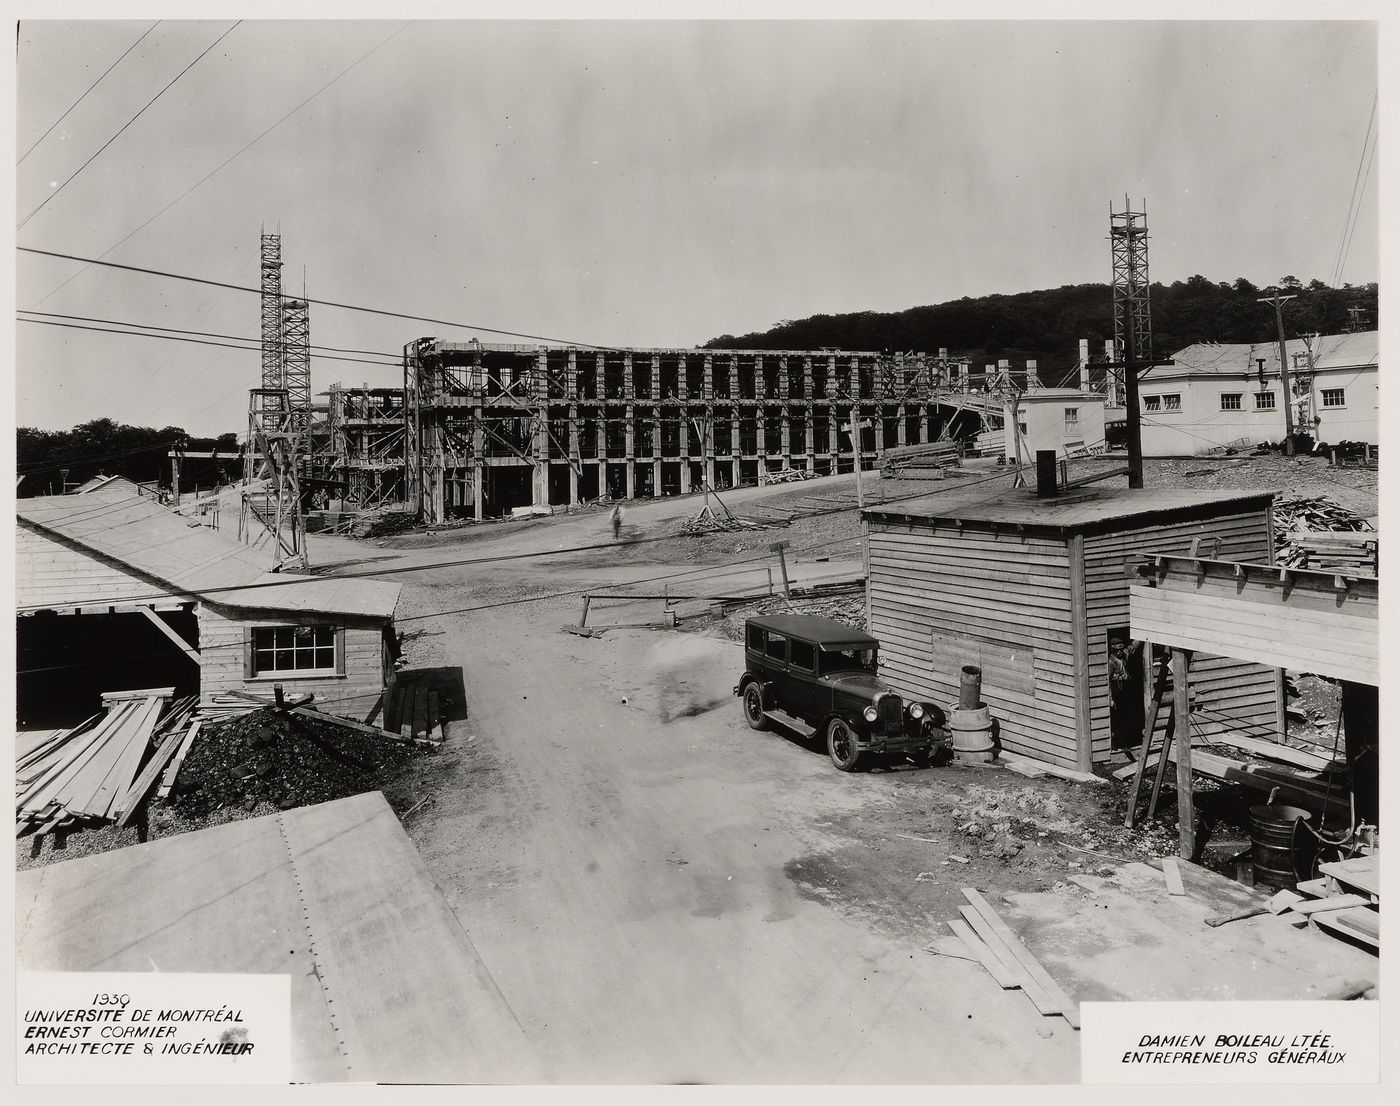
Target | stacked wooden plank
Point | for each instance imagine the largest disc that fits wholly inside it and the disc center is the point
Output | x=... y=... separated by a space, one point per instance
x=414 y=713
x=1307 y=519
x=1353 y=554
x=215 y=708
x=93 y=772
x=1347 y=899
x=993 y=944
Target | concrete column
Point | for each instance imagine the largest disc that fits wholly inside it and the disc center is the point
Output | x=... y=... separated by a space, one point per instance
x=759 y=391
x=782 y=378
x=900 y=426
x=786 y=432
x=681 y=372
x=707 y=378
x=807 y=381
x=734 y=377
x=656 y=436
x=685 y=452
x=1081 y=377
x=574 y=461
x=629 y=437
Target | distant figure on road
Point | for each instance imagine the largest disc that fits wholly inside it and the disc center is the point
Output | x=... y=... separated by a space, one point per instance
x=617 y=521
x=677 y=668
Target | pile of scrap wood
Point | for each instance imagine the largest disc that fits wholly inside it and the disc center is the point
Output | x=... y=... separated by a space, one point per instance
x=785 y=476
x=983 y=936
x=922 y=462
x=1345 y=899
x=99 y=771
x=1299 y=521
x=706 y=521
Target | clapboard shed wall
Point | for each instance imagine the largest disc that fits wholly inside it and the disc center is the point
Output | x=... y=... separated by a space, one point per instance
x=1028 y=591
x=362 y=665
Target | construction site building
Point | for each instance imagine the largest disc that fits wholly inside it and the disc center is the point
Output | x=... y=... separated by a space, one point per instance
x=490 y=427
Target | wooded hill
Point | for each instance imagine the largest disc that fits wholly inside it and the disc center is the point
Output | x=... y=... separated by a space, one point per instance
x=1046 y=326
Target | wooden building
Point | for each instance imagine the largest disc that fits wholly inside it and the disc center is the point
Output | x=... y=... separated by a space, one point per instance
x=1033 y=589
x=115 y=568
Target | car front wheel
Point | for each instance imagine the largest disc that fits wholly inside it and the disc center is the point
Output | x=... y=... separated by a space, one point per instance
x=753 y=708
x=841 y=745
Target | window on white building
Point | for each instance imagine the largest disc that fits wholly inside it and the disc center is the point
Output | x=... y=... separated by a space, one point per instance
x=304 y=650
x=1334 y=397
x=1265 y=401
x=1171 y=402
x=1072 y=419
x=1151 y=403
x=1230 y=401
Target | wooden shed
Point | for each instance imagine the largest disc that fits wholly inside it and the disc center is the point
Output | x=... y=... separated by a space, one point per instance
x=110 y=582
x=1033 y=589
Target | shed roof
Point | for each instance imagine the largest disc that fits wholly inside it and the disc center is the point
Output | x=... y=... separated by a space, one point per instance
x=115 y=522
x=1330 y=351
x=1079 y=510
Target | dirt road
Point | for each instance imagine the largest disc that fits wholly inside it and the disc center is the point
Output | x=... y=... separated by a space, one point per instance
x=652 y=899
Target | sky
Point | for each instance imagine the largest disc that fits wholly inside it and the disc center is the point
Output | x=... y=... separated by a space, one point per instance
x=642 y=183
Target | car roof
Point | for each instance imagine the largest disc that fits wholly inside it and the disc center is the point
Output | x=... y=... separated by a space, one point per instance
x=810 y=627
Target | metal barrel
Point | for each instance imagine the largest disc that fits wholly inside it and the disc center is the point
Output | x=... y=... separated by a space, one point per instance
x=1280 y=848
x=970 y=688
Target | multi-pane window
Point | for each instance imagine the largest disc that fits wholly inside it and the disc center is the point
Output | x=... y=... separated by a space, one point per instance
x=1334 y=397
x=1230 y=401
x=1265 y=401
x=1151 y=403
x=1072 y=418
x=1171 y=402
x=293 y=649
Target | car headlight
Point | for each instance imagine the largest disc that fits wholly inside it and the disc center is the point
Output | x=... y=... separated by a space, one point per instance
x=869 y=713
x=916 y=711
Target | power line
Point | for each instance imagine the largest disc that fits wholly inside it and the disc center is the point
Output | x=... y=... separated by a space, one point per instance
x=1356 y=215
x=193 y=341
x=197 y=333
x=90 y=87
x=1352 y=202
x=233 y=157
x=319 y=303
x=124 y=126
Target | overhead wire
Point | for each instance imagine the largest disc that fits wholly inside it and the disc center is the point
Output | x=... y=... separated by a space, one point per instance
x=89 y=88
x=320 y=303
x=233 y=157
x=1353 y=202
x=1356 y=216
x=124 y=126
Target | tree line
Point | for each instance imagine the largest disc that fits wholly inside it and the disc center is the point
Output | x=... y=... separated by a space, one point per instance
x=1046 y=325
x=49 y=460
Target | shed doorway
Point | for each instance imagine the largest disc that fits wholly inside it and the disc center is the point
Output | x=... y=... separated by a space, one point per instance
x=1126 y=710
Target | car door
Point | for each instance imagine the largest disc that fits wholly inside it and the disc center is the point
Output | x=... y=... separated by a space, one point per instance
x=803 y=690
x=775 y=666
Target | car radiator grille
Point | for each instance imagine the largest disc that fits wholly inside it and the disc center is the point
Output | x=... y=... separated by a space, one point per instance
x=889 y=710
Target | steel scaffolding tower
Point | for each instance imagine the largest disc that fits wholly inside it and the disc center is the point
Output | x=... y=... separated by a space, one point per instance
x=1132 y=312
x=296 y=362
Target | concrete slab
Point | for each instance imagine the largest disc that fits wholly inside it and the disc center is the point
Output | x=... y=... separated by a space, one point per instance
x=386 y=985
x=1126 y=937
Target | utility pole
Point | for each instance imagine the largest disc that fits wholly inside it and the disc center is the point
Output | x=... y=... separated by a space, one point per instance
x=1285 y=381
x=853 y=429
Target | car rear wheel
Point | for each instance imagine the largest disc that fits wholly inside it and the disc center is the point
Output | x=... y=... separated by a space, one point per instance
x=753 y=708
x=841 y=745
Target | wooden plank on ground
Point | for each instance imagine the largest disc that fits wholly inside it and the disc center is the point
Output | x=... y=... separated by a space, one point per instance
x=154 y=692
x=1017 y=974
x=1172 y=872
x=1336 y=902
x=1024 y=957
x=336 y=720
x=174 y=770
x=1361 y=872
x=1053 y=770
x=1274 y=750
x=984 y=955
x=142 y=784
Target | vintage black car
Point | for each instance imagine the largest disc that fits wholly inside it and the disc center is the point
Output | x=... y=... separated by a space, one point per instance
x=818 y=677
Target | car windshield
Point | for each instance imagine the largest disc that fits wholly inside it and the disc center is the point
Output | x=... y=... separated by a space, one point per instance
x=848 y=660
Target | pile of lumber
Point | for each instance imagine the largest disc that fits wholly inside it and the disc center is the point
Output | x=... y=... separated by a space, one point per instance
x=1307 y=518
x=785 y=476
x=1353 y=554
x=986 y=938
x=923 y=463
x=98 y=771
x=1346 y=899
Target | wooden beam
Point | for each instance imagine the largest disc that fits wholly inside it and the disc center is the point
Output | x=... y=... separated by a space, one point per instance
x=1185 y=801
x=161 y=625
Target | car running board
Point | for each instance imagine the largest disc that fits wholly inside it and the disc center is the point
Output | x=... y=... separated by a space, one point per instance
x=783 y=718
